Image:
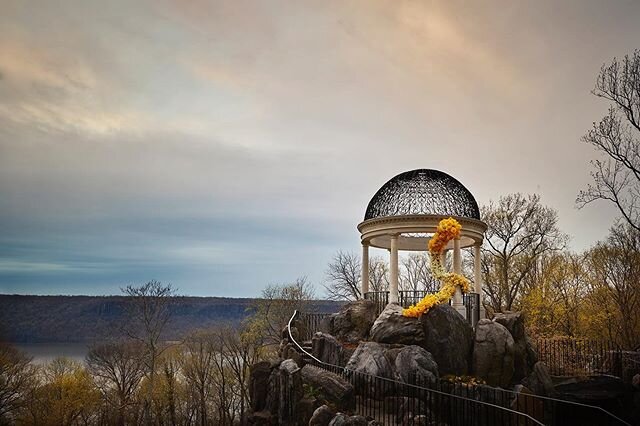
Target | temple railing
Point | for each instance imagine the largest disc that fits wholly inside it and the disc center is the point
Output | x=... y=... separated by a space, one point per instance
x=407 y=298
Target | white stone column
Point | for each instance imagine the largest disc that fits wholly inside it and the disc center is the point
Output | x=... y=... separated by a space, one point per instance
x=393 y=266
x=477 y=271
x=477 y=278
x=365 y=269
x=457 y=268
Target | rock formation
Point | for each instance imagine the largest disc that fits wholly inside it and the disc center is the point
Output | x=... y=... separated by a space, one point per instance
x=493 y=353
x=449 y=338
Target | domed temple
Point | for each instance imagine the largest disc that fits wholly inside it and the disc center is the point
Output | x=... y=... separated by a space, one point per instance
x=404 y=214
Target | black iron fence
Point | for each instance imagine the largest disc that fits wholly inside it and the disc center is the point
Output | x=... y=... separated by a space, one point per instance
x=392 y=402
x=422 y=401
x=407 y=298
x=472 y=305
x=308 y=323
x=575 y=357
x=380 y=298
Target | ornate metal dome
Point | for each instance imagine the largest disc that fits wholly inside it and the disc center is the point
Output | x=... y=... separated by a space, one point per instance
x=423 y=191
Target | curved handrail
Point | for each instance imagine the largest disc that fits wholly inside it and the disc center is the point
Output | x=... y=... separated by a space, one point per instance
x=344 y=369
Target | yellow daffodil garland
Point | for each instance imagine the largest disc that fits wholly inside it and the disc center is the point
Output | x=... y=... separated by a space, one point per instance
x=447 y=230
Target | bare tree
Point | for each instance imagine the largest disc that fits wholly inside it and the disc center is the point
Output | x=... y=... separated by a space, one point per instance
x=273 y=310
x=616 y=176
x=17 y=378
x=520 y=229
x=117 y=369
x=148 y=312
x=615 y=270
x=240 y=352
x=197 y=367
x=553 y=294
x=415 y=273
x=378 y=274
x=344 y=277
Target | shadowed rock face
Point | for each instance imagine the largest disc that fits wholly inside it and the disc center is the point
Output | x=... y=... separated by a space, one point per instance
x=353 y=322
x=493 y=353
x=539 y=381
x=333 y=388
x=322 y=416
x=327 y=349
x=524 y=355
x=258 y=384
x=412 y=361
x=449 y=338
x=369 y=358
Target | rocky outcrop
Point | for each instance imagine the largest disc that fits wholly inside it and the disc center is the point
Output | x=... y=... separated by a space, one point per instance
x=539 y=380
x=345 y=420
x=523 y=354
x=288 y=351
x=414 y=362
x=327 y=349
x=322 y=416
x=289 y=392
x=259 y=384
x=275 y=390
x=392 y=327
x=353 y=322
x=369 y=358
x=332 y=388
x=493 y=353
x=449 y=338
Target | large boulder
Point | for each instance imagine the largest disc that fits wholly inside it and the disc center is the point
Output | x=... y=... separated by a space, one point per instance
x=290 y=392
x=289 y=351
x=259 y=384
x=327 y=349
x=522 y=350
x=345 y=420
x=322 y=416
x=493 y=353
x=353 y=322
x=413 y=362
x=369 y=358
x=392 y=327
x=539 y=380
x=449 y=338
x=332 y=388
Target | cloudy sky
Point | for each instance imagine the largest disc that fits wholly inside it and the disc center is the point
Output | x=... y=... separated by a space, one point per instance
x=225 y=145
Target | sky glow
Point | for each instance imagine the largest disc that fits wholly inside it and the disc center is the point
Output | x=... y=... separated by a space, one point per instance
x=226 y=145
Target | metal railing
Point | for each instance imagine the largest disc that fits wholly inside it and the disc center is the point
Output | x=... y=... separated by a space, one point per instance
x=456 y=403
x=392 y=402
x=568 y=356
x=407 y=298
x=380 y=298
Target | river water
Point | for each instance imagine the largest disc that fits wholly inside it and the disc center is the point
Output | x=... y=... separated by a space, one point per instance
x=45 y=352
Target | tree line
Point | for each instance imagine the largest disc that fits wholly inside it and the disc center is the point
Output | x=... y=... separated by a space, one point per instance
x=137 y=377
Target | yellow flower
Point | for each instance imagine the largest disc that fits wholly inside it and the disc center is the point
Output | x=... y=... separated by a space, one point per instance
x=447 y=230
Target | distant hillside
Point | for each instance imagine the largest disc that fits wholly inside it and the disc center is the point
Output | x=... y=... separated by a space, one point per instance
x=58 y=319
